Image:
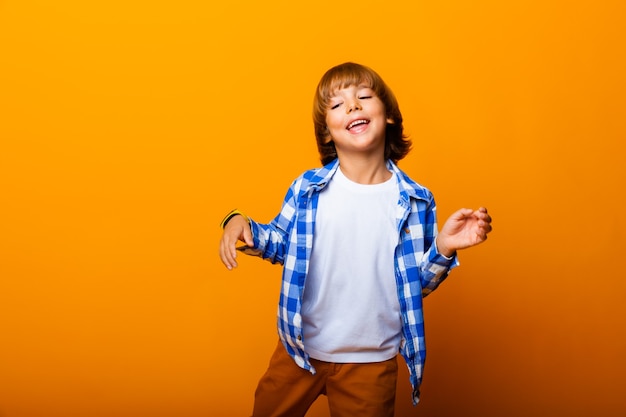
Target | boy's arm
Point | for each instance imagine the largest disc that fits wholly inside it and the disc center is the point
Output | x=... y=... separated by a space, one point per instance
x=463 y=229
x=268 y=241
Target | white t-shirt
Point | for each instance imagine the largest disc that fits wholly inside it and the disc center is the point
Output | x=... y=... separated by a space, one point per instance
x=350 y=308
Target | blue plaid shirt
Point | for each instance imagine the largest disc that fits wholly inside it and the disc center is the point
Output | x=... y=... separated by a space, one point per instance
x=419 y=268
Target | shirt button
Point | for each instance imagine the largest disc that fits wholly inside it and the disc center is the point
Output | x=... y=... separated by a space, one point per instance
x=300 y=337
x=407 y=231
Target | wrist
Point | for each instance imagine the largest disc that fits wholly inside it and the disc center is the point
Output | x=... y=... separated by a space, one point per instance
x=230 y=215
x=442 y=248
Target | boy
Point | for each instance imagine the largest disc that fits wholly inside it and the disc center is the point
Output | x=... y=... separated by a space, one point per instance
x=359 y=246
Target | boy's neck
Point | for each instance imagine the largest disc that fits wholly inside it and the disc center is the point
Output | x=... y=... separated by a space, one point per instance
x=365 y=171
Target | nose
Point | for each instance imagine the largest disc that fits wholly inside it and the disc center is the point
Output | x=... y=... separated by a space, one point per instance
x=352 y=106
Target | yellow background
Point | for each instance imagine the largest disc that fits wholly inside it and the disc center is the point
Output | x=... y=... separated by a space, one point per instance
x=129 y=128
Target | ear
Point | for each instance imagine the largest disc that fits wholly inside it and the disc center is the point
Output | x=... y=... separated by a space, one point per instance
x=390 y=121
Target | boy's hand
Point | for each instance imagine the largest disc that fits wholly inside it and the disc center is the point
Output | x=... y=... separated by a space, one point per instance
x=236 y=229
x=463 y=229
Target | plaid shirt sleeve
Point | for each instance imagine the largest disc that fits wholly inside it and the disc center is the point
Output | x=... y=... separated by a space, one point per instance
x=435 y=266
x=271 y=240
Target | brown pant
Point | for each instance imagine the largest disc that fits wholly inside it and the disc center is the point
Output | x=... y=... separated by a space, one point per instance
x=353 y=389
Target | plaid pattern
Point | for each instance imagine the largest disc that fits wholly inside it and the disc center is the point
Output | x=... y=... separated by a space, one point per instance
x=288 y=240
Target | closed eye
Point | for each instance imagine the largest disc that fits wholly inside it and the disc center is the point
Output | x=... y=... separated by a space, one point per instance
x=334 y=106
x=365 y=97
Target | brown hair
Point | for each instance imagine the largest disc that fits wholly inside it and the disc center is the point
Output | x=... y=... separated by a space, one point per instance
x=397 y=145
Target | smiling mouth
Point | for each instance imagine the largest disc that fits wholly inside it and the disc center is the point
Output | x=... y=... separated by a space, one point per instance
x=357 y=123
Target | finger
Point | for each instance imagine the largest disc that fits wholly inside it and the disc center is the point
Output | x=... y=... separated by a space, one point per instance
x=228 y=254
x=247 y=237
x=232 y=234
x=482 y=214
x=462 y=213
x=224 y=256
x=487 y=215
x=484 y=228
x=233 y=251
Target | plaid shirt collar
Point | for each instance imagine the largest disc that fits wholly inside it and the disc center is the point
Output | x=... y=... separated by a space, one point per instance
x=408 y=188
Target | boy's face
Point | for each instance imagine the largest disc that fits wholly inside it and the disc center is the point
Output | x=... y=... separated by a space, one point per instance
x=356 y=121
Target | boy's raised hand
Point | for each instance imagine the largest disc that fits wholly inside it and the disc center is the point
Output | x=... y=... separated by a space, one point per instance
x=237 y=229
x=463 y=229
